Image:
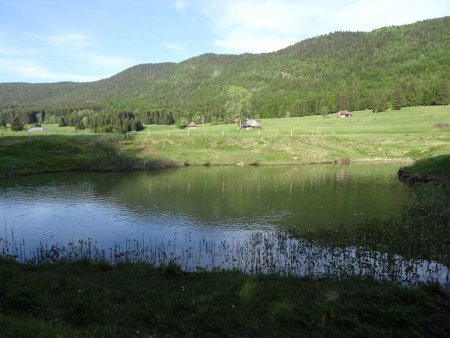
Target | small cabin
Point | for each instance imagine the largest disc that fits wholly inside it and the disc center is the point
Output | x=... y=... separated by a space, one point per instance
x=344 y=114
x=192 y=125
x=251 y=124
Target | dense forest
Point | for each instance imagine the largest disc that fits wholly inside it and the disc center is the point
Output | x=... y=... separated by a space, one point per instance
x=391 y=67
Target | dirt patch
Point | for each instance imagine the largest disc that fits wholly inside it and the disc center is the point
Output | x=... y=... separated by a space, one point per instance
x=442 y=125
x=146 y=150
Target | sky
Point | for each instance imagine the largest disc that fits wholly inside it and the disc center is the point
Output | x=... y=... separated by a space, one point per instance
x=88 y=40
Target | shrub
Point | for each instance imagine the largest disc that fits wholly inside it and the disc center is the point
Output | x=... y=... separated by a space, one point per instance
x=16 y=124
x=182 y=123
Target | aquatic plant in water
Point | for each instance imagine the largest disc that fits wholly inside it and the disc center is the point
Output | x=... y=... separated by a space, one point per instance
x=256 y=252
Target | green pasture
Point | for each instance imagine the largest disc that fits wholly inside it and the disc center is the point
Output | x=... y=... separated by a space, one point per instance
x=418 y=121
x=409 y=134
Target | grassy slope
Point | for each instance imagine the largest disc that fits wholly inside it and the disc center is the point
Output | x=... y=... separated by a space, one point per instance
x=437 y=165
x=410 y=133
x=95 y=300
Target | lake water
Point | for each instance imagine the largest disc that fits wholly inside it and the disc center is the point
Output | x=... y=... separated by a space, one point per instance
x=212 y=217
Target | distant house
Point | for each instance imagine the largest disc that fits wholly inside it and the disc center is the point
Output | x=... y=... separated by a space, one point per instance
x=250 y=124
x=344 y=113
x=192 y=125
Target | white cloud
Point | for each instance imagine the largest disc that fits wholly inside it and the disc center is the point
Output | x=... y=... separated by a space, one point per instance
x=75 y=51
x=31 y=69
x=81 y=48
x=180 y=4
x=27 y=68
x=268 y=25
x=64 y=40
x=177 y=47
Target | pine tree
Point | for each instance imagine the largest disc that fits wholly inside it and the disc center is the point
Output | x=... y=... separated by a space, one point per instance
x=61 y=122
x=443 y=93
x=398 y=98
x=16 y=124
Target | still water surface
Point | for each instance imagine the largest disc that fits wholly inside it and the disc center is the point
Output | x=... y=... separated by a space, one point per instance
x=213 y=217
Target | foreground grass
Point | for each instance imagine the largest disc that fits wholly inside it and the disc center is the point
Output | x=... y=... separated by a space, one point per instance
x=86 y=299
x=405 y=135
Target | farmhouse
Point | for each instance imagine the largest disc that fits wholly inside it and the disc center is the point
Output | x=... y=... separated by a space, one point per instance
x=192 y=125
x=250 y=124
x=344 y=113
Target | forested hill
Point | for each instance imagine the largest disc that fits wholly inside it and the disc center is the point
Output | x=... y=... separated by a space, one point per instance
x=388 y=67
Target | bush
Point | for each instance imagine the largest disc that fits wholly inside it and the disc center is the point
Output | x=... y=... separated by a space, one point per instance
x=61 y=122
x=182 y=123
x=16 y=124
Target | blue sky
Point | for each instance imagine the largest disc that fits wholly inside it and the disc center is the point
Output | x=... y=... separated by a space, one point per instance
x=87 y=40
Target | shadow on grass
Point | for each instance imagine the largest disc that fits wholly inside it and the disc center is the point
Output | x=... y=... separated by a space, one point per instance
x=433 y=170
x=23 y=155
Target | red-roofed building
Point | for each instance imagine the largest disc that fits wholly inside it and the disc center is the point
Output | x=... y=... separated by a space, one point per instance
x=344 y=113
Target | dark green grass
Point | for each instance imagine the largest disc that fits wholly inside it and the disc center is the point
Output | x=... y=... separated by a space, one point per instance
x=87 y=299
x=437 y=165
x=55 y=153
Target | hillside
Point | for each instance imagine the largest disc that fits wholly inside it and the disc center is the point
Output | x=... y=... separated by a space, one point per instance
x=393 y=66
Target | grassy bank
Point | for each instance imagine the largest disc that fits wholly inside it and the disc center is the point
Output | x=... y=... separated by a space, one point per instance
x=22 y=155
x=411 y=133
x=434 y=169
x=85 y=299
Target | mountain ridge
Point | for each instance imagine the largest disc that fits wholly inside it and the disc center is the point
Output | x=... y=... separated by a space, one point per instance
x=351 y=70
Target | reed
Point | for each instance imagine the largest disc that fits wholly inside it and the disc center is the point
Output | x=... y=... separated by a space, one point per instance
x=260 y=252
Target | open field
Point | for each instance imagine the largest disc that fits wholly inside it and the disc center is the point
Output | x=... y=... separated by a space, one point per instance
x=405 y=135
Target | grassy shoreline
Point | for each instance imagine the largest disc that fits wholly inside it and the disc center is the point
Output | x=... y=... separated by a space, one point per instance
x=290 y=141
x=435 y=170
x=85 y=299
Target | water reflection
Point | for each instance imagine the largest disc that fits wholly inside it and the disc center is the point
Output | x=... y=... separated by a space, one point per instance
x=220 y=208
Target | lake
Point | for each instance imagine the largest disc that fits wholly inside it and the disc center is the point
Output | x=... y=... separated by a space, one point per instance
x=211 y=217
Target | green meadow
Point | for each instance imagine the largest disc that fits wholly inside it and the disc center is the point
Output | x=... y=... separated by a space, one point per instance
x=405 y=135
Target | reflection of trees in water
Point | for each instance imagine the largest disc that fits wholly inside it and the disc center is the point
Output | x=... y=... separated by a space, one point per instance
x=342 y=175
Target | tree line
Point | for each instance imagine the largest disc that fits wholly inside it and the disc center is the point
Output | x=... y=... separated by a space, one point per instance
x=391 y=67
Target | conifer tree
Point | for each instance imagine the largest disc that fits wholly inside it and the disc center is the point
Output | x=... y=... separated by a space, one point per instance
x=16 y=124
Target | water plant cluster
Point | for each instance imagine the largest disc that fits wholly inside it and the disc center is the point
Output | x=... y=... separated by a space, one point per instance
x=257 y=252
x=422 y=231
